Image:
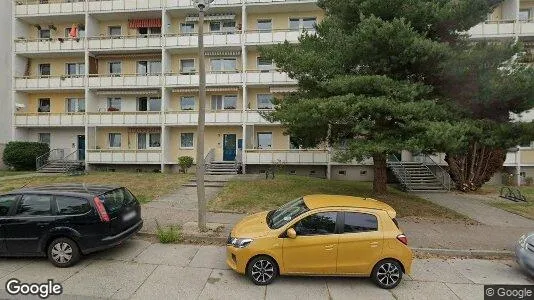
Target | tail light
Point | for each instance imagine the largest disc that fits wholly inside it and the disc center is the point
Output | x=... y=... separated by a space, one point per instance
x=403 y=239
x=104 y=217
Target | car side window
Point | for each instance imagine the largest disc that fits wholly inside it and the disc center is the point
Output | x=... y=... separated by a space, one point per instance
x=34 y=205
x=6 y=202
x=359 y=222
x=71 y=205
x=317 y=224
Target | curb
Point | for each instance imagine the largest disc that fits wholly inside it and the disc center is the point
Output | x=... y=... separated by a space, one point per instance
x=463 y=252
x=187 y=238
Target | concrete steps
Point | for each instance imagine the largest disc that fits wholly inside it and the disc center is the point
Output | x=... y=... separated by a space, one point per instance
x=221 y=168
x=416 y=177
x=59 y=167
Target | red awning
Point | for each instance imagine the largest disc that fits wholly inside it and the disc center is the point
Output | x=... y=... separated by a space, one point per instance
x=144 y=23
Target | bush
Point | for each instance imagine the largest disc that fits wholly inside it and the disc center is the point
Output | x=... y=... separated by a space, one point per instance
x=529 y=181
x=185 y=163
x=168 y=235
x=21 y=155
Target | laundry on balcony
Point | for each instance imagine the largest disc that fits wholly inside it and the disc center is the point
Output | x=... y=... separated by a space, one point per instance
x=214 y=17
x=74 y=31
x=144 y=23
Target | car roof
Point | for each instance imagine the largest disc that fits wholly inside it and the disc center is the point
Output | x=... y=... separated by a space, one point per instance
x=323 y=201
x=70 y=189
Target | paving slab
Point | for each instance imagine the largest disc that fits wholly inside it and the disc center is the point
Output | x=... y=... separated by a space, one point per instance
x=210 y=257
x=352 y=288
x=437 y=270
x=490 y=271
x=227 y=284
x=108 y=279
x=171 y=255
x=9 y=265
x=39 y=271
x=423 y=290
x=467 y=291
x=296 y=288
x=170 y=282
x=126 y=251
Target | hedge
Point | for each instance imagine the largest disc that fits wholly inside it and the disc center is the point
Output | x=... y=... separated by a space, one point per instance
x=21 y=155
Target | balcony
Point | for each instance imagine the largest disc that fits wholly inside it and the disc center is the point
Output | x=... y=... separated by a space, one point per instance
x=270 y=77
x=124 y=42
x=212 y=117
x=212 y=78
x=274 y=36
x=124 y=118
x=49 y=82
x=49 y=45
x=53 y=7
x=123 y=156
x=255 y=117
x=289 y=157
x=210 y=39
x=503 y=28
x=190 y=3
x=124 y=81
x=49 y=119
x=114 y=5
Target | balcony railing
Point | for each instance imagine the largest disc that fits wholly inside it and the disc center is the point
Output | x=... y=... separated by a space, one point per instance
x=277 y=1
x=255 y=117
x=210 y=39
x=49 y=119
x=190 y=3
x=38 y=7
x=49 y=82
x=124 y=80
x=268 y=77
x=49 y=45
x=124 y=118
x=124 y=156
x=289 y=157
x=114 y=5
x=212 y=78
x=503 y=28
x=125 y=42
x=275 y=36
x=212 y=117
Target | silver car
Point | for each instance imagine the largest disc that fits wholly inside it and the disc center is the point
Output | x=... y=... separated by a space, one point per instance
x=524 y=252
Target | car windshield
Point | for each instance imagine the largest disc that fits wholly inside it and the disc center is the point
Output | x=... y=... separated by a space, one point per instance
x=281 y=216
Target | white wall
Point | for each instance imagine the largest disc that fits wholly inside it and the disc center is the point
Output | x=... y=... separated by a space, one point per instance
x=59 y=138
x=128 y=103
x=510 y=9
x=6 y=103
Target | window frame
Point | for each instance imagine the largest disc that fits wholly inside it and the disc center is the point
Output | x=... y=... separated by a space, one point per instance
x=147 y=136
x=45 y=30
x=109 y=140
x=40 y=69
x=264 y=21
x=41 y=134
x=184 y=24
x=41 y=106
x=149 y=65
x=337 y=229
x=78 y=107
x=223 y=98
x=258 y=139
x=342 y=222
x=223 y=60
x=187 y=71
x=264 y=108
x=264 y=68
x=301 y=23
x=80 y=69
x=192 y=140
x=110 y=28
x=109 y=101
x=222 y=27
x=51 y=210
x=110 y=64
x=189 y=98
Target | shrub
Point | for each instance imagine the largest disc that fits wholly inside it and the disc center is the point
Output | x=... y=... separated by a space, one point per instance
x=529 y=181
x=21 y=155
x=168 y=235
x=185 y=163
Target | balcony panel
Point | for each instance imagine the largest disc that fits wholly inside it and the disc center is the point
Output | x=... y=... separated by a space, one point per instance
x=124 y=118
x=36 y=83
x=212 y=117
x=33 y=7
x=273 y=37
x=124 y=42
x=112 y=5
x=124 y=156
x=254 y=117
x=190 y=3
x=290 y=157
x=274 y=77
x=494 y=29
x=49 y=119
x=39 y=46
x=107 y=81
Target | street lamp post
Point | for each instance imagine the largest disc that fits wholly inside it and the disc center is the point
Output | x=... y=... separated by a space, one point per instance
x=201 y=164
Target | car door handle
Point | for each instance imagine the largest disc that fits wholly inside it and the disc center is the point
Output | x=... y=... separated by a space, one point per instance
x=329 y=247
x=374 y=244
x=42 y=224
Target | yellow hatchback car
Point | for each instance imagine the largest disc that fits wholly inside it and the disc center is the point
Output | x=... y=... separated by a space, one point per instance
x=321 y=235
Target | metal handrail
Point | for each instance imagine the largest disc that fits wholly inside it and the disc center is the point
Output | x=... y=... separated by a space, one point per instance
x=53 y=155
x=65 y=161
x=445 y=178
x=403 y=175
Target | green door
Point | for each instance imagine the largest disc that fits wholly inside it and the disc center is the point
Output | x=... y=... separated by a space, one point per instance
x=229 y=147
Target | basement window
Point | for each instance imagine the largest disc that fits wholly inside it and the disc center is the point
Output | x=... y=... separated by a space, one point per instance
x=363 y=172
x=342 y=172
x=293 y=172
x=312 y=172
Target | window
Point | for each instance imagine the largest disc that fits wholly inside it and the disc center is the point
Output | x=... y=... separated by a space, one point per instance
x=148 y=140
x=71 y=205
x=149 y=104
x=359 y=222
x=44 y=33
x=187 y=66
x=224 y=64
x=265 y=140
x=44 y=105
x=342 y=172
x=317 y=224
x=114 y=140
x=34 y=205
x=75 y=105
x=115 y=68
x=44 y=138
x=115 y=31
x=220 y=102
x=293 y=143
x=264 y=25
x=148 y=67
x=44 y=70
x=145 y=31
x=222 y=26
x=6 y=202
x=186 y=140
x=524 y=14
x=265 y=101
x=187 y=27
x=114 y=104
x=187 y=103
x=302 y=23
x=75 y=69
x=265 y=65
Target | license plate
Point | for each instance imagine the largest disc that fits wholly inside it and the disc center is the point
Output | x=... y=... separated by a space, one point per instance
x=129 y=216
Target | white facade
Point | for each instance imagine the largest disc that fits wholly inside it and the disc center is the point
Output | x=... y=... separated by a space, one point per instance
x=6 y=112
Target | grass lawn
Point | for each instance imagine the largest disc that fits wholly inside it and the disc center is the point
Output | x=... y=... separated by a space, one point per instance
x=4 y=173
x=262 y=194
x=145 y=186
x=525 y=209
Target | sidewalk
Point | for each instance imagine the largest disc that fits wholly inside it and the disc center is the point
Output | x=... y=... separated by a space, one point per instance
x=141 y=270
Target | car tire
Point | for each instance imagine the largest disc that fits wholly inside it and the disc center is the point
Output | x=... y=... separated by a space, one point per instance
x=262 y=270
x=63 y=252
x=387 y=273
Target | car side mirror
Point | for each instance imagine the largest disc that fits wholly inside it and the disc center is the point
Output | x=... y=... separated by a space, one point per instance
x=291 y=233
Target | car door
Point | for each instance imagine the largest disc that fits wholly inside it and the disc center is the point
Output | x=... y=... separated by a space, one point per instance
x=7 y=204
x=360 y=242
x=314 y=250
x=32 y=219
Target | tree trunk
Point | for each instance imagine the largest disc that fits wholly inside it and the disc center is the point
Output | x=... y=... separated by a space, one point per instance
x=380 y=174
x=471 y=170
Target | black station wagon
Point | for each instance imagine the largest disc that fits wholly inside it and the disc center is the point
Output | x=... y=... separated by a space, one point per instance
x=63 y=222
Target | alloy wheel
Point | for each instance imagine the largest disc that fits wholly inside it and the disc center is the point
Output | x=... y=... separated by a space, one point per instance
x=388 y=274
x=262 y=271
x=62 y=253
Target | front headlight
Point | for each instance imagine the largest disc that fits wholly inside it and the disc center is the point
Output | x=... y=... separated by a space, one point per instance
x=240 y=243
